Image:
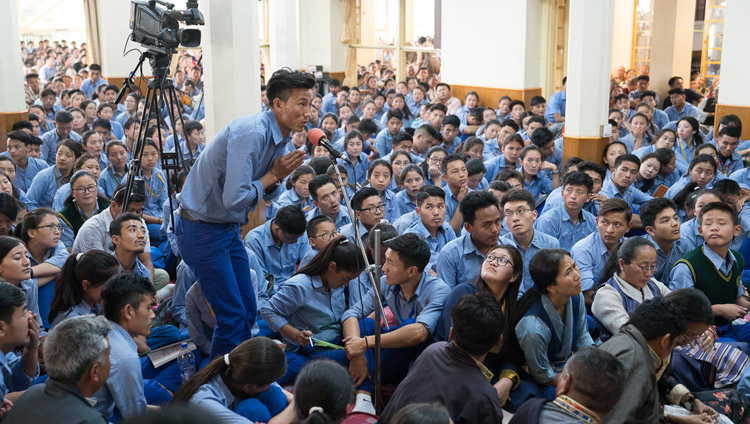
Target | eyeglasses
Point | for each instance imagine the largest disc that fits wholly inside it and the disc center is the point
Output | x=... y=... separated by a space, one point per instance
x=509 y=214
x=327 y=236
x=498 y=260
x=87 y=189
x=374 y=209
x=650 y=269
x=52 y=227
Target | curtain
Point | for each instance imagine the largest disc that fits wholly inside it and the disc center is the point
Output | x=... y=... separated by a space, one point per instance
x=93 y=49
x=348 y=9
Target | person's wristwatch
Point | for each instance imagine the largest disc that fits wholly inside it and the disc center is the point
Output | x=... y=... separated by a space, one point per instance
x=689 y=403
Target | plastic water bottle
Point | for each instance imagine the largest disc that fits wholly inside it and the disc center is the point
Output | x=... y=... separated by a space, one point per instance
x=186 y=361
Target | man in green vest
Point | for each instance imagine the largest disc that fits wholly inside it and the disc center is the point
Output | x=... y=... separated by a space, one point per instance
x=716 y=270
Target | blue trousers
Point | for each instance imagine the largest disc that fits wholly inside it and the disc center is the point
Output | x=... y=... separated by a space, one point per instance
x=297 y=359
x=46 y=292
x=263 y=406
x=217 y=256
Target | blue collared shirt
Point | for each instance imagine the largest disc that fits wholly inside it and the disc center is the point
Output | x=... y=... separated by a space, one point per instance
x=683 y=154
x=555 y=199
x=224 y=183
x=557 y=223
x=425 y=305
x=688 y=110
x=495 y=165
x=305 y=303
x=539 y=241
x=682 y=278
x=329 y=105
x=590 y=255
x=156 y=193
x=730 y=165
x=89 y=88
x=12 y=376
x=460 y=261
x=742 y=176
x=632 y=196
x=342 y=218
x=43 y=188
x=348 y=232
x=540 y=184
x=217 y=401
x=124 y=387
x=357 y=172
x=665 y=261
x=491 y=148
x=556 y=104
x=280 y=261
x=289 y=197
x=668 y=180
x=384 y=142
x=443 y=235
x=24 y=177
x=51 y=140
x=405 y=221
x=82 y=308
x=403 y=204
x=451 y=204
x=109 y=180
x=67 y=236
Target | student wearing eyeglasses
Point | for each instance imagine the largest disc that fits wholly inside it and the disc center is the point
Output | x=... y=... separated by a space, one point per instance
x=626 y=282
x=320 y=231
x=369 y=209
x=83 y=202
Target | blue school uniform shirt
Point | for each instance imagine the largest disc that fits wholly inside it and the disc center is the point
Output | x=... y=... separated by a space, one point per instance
x=124 y=387
x=290 y=197
x=24 y=177
x=539 y=185
x=557 y=156
x=742 y=176
x=303 y=302
x=224 y=183
x=557 y=223
x=451 y=203
x=661 y=119
x=82 y=308
x=109 y=180
x=556 y=104
x=357 y=172
x=280 y=261
x=684 y=154
x=12 y=376
x=689 y=233
x=555 y=199
x=217 y=401
x=138 y=267
x=539 y=241
x=688 y=110
x=156 y=193
x=495 y=165
x=453 y=146
x=328 y=104
x=403 y=204
x=389 y=202
x=460 y=261
x=425 y=306
x=491 y=148
x=675 y=188
x=43 y=188
x=50 y=140
x=348 y=232
x=443 y=236
x=341 y=220
x=643 y=151
x=384 y=142
x=405 y=221
x=89 y=88
x=632 y=196
x=668 y=180
x=118 y=132
x=732 y=164
x=590 y=255
x=665 y=261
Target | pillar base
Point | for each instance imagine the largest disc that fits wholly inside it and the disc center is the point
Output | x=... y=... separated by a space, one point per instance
x=7 y=119
x=743 y=112
x=488 y=97
x=587 y=148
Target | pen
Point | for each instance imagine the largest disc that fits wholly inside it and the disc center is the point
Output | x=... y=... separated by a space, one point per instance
x=311 y=341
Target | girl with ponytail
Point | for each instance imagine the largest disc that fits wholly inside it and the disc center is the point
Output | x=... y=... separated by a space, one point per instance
x=243 y=377
x=78 y=289
x=322 y=393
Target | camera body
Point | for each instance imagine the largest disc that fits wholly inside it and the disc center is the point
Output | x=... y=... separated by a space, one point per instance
x=158 y=28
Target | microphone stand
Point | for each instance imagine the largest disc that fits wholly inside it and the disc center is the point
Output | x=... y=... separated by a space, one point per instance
x=373 y=272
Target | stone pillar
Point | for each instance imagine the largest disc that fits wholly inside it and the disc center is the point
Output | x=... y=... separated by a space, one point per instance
x=489 y=74
x=114 y=29
x=12 y=98
x=589 y=58
x=320 y=31
x=672 y=43
x=734 y=94
x=284 y=34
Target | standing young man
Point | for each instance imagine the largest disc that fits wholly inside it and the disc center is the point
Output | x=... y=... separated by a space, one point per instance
x=243 y=163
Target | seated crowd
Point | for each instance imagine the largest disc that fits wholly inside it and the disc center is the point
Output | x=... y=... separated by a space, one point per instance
x=515 y=284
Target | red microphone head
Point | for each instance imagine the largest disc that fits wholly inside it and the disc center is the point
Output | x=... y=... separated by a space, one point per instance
x=315 y=135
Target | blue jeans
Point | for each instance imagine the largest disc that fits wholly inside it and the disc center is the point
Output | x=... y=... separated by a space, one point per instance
x=218 y=258
x=263 y=406
x=298 y=359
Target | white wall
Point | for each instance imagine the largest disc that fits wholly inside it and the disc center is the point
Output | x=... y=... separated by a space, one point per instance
x=114 y=29
x=500 y=48
x=622 y=34
x=12 y=98
x=284 y=34
x=320 y=27
x=734 y=58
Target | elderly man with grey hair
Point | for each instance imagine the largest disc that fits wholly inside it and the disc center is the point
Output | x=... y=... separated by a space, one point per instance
x=76 y=353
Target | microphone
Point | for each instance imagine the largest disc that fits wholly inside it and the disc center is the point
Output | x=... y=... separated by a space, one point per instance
x=317 y=137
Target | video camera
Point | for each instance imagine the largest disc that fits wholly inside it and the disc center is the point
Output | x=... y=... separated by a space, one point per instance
x=159 y=28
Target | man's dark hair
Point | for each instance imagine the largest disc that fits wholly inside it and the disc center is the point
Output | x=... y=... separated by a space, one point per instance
x=21 y=136
x=451 y=120
x=359 y=197
x=518 y=195
x=731 y=120
x=411 y=249
x=731 y=131
x=579 y=178
x=8 y=206
x=648 y=93
x=598 y=377
x=516 y=103
x=719 y=206
x=115 y=227
x=95 y=67
x=478 y=322
x=63 y=117
x=473 y=201
x=438 y=106
x=510 y=123
x=537 y=100
x=538 y=120
x=284 y=80
x=102 y=123
x=394 y=113
x=643 y=78
x=594 y=167
x=367 y=126
x=673 y=80
x=317 y=182
x=191 y=126
x=312 y=225
x=291 y=220
x=448 y=159
x=334 y=83
x=48 y=92
x=679 y=91
x=656 y=318
x=627 y=157
x=123 y=289
x=542 y=136
x=653 y=207
x=11 y=297
x=22 y=125
x=615 y=205
x=430 y=130
x=725 y=188
x=320 y=164
x=427 y=191
x=475 y=166
x=111 y=87
x=398 y=138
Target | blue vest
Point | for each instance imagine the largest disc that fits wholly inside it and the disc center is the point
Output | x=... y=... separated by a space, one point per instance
x=627 y=302
x=555 y=344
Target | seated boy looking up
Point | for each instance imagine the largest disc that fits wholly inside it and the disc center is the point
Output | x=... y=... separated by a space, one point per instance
x=620 y=186
x=568 y=222
x=19 y=328
x=716 y=270
x=662 y=225
x=320 y=232
x=431 y=226
x=369 y=209
x=454 y=173
x=19 y=144
x=449 y=130
x=327 y=201
x=512 y=147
